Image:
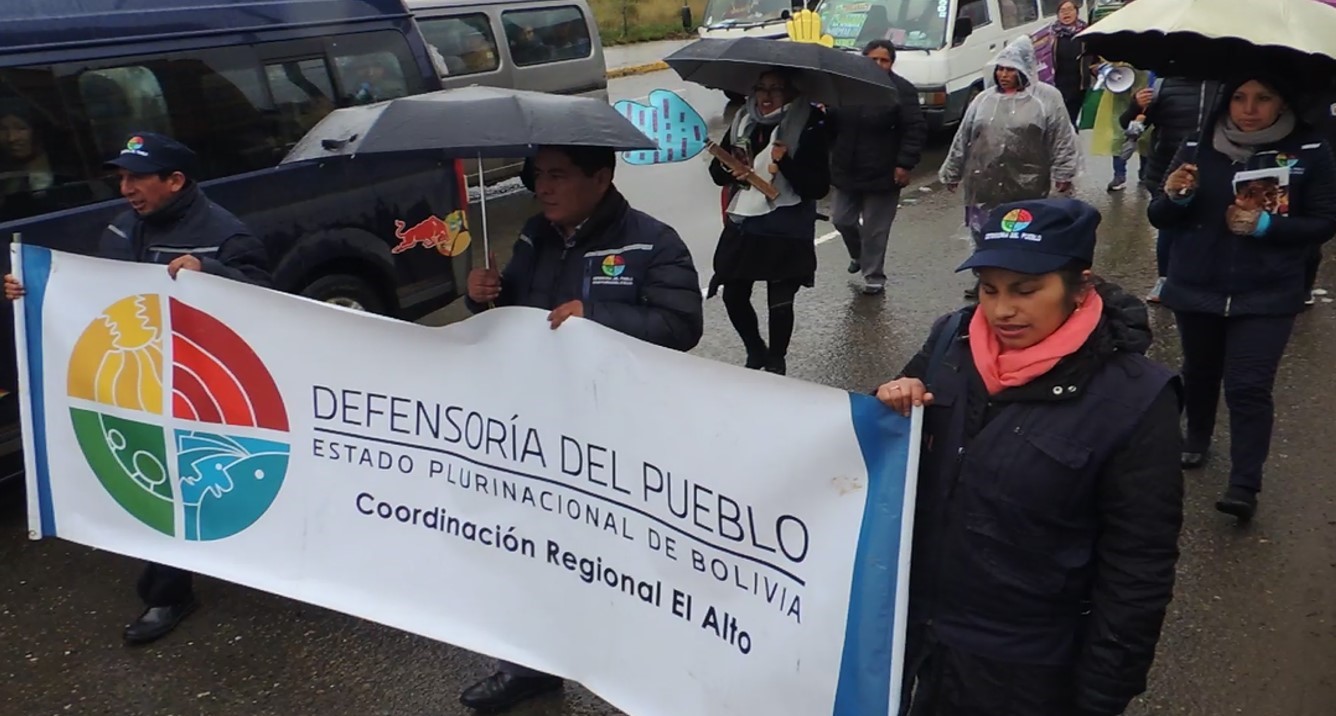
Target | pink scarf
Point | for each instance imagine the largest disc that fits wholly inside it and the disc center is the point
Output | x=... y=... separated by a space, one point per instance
x=1001 y=369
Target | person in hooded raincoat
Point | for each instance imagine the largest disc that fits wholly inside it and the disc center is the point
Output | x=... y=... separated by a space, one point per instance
x=1015 y=142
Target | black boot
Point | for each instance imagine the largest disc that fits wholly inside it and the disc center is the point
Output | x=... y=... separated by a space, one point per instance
x=1192 y=460
x=776 y=365
x=1238 y=501
x=502 y=690
x=757 y=356
x=157 y=622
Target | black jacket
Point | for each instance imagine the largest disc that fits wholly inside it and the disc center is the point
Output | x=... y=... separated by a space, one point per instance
x=632 y=272
x=871 y=142
x=1211 y=269
x=190 y=224
x=1177 y=112
x=1046 y=526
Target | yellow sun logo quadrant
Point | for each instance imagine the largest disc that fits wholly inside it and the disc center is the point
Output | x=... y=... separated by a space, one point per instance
x=118 y=360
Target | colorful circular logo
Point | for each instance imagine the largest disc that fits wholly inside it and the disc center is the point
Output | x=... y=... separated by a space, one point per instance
x=135 y=144
x=1016 y=220
x=614 y=266
x=1286 y=160
x=178 y=418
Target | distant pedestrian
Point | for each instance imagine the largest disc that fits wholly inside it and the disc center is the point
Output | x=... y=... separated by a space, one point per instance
x=783 y=138
x=171 y=222
x=1071 y=69
x=1015 y=141
x=1049 y=493
x=1237 y=266
x=873 y=151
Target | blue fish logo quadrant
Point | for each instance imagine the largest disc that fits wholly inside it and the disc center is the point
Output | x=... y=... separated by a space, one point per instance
x=675 y=126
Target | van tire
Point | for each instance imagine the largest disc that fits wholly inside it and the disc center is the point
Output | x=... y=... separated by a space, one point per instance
x=346 y=290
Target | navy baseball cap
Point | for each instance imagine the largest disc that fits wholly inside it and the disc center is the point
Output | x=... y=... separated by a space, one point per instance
x=150 y=153
x=1037 y=237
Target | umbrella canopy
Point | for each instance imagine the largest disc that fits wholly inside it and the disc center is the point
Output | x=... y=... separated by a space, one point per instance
x=1219 y=39
x=825 y=75
x=470 y=122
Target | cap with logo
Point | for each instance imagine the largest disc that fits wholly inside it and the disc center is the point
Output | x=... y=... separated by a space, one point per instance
x=1037 y=237
x=150 y=153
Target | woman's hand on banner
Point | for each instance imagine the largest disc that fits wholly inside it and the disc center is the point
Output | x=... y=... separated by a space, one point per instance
x=904 y=394
x=13 y=289
x=559 y=314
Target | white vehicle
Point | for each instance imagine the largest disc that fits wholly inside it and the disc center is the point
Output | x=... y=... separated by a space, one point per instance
x=728 y=19
x=942 y=46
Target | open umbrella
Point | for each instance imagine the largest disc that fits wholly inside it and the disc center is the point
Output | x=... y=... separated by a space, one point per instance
x=1216 y=39
x=481 y=122
x=825 y=75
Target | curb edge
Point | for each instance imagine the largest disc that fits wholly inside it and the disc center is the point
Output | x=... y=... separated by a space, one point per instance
x=637 y=69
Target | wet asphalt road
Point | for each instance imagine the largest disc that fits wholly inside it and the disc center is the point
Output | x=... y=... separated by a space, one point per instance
x=1252 y=629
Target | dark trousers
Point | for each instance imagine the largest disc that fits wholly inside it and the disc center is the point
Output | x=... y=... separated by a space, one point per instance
x=163 y=586
x=779 y=300
x=1310 y=269
x=1073 y=99
x=1243 y=352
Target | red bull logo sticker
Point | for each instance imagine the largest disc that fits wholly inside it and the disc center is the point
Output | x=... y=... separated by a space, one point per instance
x=449 y=236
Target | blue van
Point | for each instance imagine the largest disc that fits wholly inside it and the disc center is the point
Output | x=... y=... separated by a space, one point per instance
x=240 y=82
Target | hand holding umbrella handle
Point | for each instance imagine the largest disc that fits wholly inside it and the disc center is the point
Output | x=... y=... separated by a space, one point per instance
x=737 y=167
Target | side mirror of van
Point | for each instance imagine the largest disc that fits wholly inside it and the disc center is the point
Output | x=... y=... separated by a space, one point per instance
x=964 y=28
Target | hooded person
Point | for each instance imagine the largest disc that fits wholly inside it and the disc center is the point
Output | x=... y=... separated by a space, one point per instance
x=1016 y=140
x=1249 y=203
x=1049 y=493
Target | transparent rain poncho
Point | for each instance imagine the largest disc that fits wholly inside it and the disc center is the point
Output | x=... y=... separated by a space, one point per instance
x=1012 y=147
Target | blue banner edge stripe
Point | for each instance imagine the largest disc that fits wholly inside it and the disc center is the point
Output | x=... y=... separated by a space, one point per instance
x=864 y=687
x=36 y=275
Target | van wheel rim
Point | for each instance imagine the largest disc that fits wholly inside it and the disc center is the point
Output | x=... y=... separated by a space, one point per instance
x=346 y=303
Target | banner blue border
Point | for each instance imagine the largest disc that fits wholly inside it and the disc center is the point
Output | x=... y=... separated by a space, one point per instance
x=36 y=275
x=864 y=687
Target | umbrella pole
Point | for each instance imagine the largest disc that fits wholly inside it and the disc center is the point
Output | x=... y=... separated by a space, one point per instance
x=482 y=198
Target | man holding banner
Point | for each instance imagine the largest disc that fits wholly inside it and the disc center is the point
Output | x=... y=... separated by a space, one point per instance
x=171 y=222
x=588 y=255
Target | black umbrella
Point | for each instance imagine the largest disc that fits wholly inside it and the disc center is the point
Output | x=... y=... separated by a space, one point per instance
x=825 y=75
x=482 y=122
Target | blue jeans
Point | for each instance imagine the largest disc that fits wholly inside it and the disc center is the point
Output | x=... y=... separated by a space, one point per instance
x=1119 y=168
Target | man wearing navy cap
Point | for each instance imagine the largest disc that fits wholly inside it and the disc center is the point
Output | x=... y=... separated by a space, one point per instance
x=170 y=222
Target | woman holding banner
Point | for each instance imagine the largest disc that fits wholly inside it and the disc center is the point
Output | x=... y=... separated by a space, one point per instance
x=782 y=137
x=1050 y=495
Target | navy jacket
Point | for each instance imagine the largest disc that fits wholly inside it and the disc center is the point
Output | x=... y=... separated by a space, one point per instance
x=632 y=271
x=1047 y=521
x=1211 y=269
x=190 y=224
x=1177 y=113
x=871 y=142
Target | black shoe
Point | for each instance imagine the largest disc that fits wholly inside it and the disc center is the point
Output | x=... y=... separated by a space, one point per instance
x=501 y=690
x=873 y=289
x=776 y=365
x=157 y=622
x=756 y=359
x=1238 y=501
x=1193 y=460
x=854 y=267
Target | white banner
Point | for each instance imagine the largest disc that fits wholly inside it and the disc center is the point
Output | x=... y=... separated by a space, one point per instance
x=683 y=537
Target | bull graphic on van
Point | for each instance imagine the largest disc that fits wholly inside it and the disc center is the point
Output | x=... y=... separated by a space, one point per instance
x=449 y=236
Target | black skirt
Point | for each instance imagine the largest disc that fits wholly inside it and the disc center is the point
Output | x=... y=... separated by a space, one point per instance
x=780 y=246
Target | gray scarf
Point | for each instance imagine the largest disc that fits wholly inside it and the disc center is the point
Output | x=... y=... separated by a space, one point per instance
x=792 y=120
x=1239 y=145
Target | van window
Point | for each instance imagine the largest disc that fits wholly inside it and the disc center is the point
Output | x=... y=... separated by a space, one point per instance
x=465 y=42
x=908 y=24
x=44 y=165
x=1017 y=12
x=549 y=35
x=302 y=96
x=120 y=100
x=1050 y=7
x=975 y=10
x=371 y=68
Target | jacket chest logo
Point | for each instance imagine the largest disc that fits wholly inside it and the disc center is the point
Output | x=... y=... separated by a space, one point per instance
x=611 y=271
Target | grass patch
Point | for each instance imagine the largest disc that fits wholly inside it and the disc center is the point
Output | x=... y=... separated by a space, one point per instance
x=625 y=21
